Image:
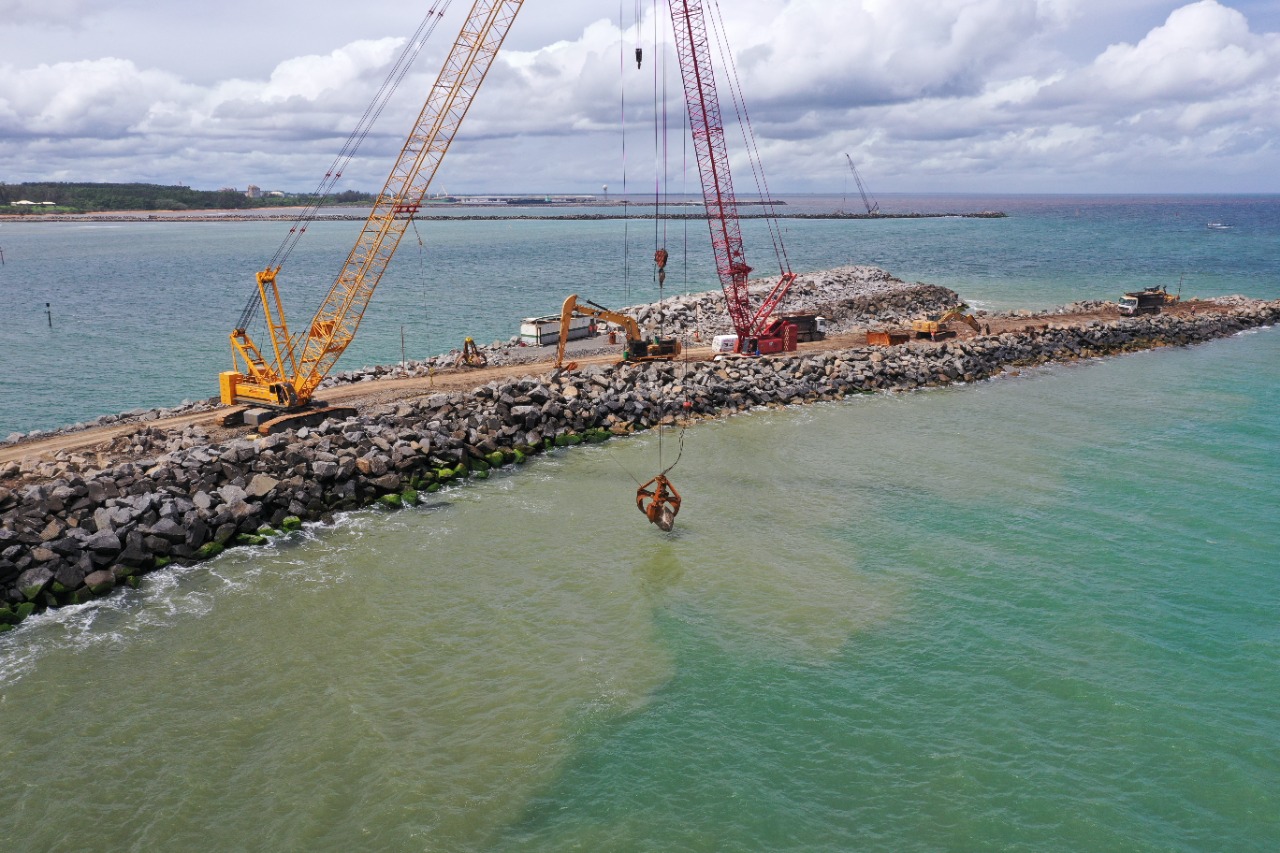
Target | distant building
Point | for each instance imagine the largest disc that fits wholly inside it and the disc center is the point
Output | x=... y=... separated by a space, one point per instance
x=253 y=191
x=276 y=194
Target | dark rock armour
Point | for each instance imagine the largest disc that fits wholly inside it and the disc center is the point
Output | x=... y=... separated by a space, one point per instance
x=69 y=532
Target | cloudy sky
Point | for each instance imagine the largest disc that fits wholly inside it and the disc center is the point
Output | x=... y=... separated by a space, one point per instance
x=925 y=95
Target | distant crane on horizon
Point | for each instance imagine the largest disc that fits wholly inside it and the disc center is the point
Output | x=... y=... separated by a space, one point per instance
x=873 y=206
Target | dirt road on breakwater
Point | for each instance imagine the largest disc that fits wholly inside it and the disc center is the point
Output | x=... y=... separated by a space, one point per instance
x=104 y=441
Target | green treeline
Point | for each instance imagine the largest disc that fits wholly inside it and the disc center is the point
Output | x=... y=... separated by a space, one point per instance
x=89 y=198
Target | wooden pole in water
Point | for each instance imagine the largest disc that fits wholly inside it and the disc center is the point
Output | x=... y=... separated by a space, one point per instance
x=48 y=313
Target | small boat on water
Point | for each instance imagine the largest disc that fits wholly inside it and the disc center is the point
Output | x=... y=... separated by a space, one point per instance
x=1217 y=226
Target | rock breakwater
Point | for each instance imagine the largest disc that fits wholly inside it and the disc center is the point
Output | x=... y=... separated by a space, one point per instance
x=848 y=296
x=70 y=531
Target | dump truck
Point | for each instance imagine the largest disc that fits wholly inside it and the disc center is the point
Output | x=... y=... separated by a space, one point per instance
x=1149 y=301
x=809 y=327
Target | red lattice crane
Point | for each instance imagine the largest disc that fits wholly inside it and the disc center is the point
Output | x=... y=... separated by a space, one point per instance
x=753 y=326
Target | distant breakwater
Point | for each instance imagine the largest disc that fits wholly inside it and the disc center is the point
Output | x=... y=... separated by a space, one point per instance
x=71 y=532
x=474 y=217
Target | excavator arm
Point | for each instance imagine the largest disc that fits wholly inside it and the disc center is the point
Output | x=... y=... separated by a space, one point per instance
x=637 y=349
x=958 y=313
x=573 y=308
x=937 y=328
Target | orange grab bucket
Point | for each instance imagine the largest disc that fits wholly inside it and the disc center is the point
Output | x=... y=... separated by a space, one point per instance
x=659 y=501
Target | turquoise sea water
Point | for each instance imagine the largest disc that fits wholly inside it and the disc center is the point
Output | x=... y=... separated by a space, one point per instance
x=1037 y=613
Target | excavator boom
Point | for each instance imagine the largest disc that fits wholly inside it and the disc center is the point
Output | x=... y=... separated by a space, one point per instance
x=637 y=348
x=937 y=329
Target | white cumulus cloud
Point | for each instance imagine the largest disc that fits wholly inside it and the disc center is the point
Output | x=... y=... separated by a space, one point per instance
x=925 y=94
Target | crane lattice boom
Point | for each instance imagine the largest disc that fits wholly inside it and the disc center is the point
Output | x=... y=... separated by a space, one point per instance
x=298 y=370
x=707 y=126
x=871 y=204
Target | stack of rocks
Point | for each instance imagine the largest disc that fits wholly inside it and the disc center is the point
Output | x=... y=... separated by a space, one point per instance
x=72 y=529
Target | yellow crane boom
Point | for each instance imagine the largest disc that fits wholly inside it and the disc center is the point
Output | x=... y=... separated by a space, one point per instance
x=299 y=366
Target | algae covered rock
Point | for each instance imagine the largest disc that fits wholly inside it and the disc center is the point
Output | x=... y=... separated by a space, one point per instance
x=391 y=501
x=291 y=523
x=100 y=582
x=209 y=550
x=409 y=497
x=32 y=582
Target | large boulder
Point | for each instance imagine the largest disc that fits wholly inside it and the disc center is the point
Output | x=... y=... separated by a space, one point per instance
x=261 y=485
x=32 y=582
x=100 y=582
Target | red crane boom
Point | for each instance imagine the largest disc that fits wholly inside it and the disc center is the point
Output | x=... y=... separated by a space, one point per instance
x=705 y=122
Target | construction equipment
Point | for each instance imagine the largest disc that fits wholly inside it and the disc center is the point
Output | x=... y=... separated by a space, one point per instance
x=299 y=362
x=636 y=348
x=756 y=330
x=937 y=329
x=872 y=206
x=887 y=337
x=659 y=501
x=470 y=355
x=1149 y=301
x=809 y=326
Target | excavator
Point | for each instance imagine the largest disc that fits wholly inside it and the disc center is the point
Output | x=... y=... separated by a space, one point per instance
x=936 y=329
x=636 y=347
x=280 y=379
x=471 y=356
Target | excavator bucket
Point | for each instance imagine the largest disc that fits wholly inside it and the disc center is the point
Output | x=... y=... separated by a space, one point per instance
x=471 y=356
x=659 y=501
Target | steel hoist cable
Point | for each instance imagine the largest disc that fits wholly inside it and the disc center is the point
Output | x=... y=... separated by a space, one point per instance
x=626 y=213
x=399 y=69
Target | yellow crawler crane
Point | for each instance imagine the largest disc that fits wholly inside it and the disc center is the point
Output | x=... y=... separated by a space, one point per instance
x=298 y=364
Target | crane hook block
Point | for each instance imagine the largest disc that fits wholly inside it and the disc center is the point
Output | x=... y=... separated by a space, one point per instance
x=639 y=56
x=659 y=501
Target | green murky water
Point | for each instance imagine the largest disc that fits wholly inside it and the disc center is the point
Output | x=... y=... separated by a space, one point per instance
x=1038 y=613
